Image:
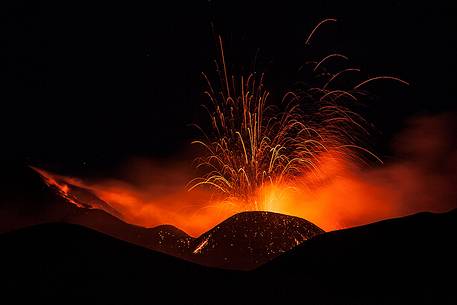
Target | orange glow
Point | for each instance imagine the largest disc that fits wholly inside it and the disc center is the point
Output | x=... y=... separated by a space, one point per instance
x=342 y=195
x=303 y=160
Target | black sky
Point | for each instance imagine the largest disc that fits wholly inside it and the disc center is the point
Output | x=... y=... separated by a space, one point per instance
x=87 y=84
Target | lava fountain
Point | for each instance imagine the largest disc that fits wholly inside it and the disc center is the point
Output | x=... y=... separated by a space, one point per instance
x=253 y=145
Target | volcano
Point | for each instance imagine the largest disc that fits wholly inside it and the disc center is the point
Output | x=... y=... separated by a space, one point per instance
x=241 y=242
x=92 y=255
x=409 y=260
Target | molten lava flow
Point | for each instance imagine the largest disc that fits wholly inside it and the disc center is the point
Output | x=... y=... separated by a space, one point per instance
x=62 y=188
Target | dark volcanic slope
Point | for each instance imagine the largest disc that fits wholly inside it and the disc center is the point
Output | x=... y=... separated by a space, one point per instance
x=26 y=200
x=399 y=260
x=64 y=263
x=249 y=239
x=164 y=238
x=408 y=260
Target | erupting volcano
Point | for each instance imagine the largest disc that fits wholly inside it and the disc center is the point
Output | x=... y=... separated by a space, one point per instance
x=228 y=153
x=289 y=156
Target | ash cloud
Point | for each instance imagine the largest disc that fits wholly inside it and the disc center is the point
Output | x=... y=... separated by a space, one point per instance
x=425 y=176
x=422 y=176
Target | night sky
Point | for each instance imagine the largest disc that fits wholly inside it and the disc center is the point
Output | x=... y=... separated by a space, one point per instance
x=86 y=86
